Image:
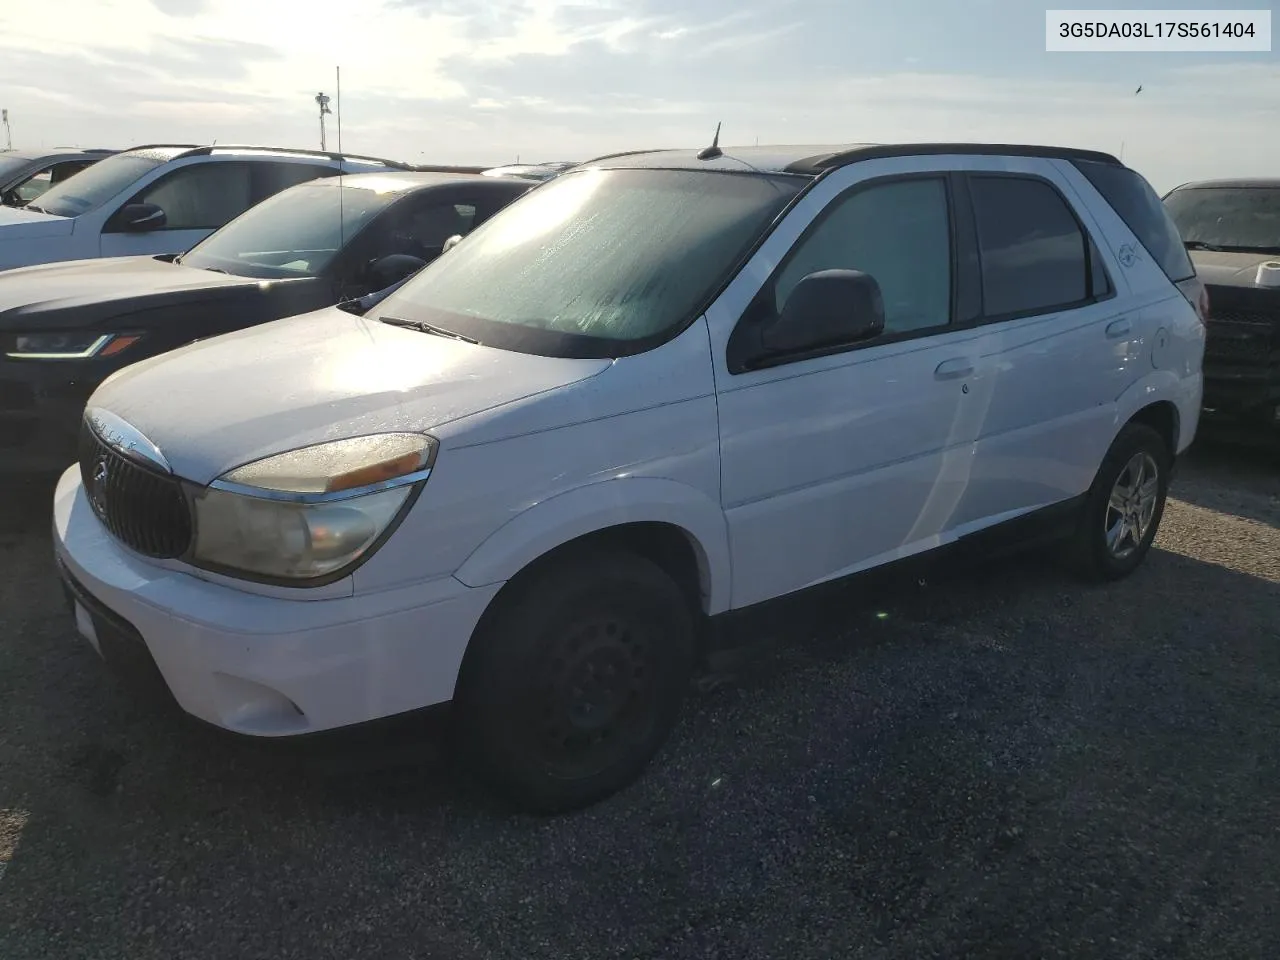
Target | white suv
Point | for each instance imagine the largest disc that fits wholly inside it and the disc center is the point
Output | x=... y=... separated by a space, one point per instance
x=158 y=200
x=654 y=390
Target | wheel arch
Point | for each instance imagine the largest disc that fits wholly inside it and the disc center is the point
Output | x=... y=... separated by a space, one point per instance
x=674 y=525
x=1161 y=416
x=1157 y=400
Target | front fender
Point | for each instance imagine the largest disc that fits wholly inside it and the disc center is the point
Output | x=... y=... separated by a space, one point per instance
x=598 y=506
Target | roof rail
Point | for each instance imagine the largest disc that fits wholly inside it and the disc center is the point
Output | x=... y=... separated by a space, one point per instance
x=821 y=164
x=445 y=168
x=624 y=153
x=328 y=154
x=157 y=146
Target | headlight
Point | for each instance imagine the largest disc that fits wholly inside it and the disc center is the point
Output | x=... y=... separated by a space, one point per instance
x=70 y=345
x=309 y=513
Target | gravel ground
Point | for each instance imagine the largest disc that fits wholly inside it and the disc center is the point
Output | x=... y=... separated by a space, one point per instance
x=992 y=763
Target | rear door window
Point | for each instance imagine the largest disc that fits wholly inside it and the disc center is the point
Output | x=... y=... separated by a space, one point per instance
x=272 y=176
x=1035 y=257
x=1138 y=206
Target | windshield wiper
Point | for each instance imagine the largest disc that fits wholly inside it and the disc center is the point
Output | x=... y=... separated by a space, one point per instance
x=37 y=209
x=1228 y=247
x=422 y=327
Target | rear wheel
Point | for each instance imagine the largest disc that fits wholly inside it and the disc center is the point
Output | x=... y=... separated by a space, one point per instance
x=1124 y=506
x=575 y=680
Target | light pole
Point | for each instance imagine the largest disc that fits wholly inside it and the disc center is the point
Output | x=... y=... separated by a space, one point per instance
x=8 y=134
x=323 y=102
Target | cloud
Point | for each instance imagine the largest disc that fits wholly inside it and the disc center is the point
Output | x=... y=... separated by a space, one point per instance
x=564 y=79
x=182 y=8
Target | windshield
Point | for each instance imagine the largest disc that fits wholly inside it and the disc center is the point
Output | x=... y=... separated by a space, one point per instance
x=1230 y=218
x=596 y=262
x=95 y=185
x=292 y=234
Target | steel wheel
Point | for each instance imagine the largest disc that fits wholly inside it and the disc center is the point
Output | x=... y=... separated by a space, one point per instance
x=597 y=693
x=1132 y=504
x=575 y=678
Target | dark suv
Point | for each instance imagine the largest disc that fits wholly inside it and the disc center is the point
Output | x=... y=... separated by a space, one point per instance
x=1232 y=230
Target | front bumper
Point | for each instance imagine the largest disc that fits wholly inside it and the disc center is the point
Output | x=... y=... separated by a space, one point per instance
x=1242 y=369
x=259 y=665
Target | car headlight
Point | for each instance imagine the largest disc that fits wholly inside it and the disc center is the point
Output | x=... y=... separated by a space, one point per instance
x=310 y=513
x=67 y=345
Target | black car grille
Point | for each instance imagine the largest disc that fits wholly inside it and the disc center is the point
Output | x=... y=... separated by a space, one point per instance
x=142 y=508
x=1241 y=335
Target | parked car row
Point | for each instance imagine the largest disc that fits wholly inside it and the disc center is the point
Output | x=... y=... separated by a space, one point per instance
x=66 y=326
x=533 y=480
x=162 y=199
x=26 y=175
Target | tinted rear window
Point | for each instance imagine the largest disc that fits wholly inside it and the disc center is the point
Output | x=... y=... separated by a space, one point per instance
x=1033 y=253
x=1140 y=208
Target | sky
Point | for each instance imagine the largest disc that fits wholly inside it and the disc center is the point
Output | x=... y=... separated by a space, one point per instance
x=462 y=82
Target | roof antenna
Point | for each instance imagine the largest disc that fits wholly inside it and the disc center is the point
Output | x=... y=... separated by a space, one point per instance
x=713 y=151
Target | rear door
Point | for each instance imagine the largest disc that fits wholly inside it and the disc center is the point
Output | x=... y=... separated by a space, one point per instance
x=1056 y=335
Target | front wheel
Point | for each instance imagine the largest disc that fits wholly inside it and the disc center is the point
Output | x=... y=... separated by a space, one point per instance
x=1124 y=506
x=575 y=680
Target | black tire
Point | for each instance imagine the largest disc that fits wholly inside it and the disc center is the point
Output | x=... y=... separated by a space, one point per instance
x=574 y=680
x=1088 y=552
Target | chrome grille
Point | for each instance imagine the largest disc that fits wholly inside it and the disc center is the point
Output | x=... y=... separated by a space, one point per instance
x=143 y=508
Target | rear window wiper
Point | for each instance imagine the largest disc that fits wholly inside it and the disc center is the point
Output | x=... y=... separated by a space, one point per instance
x=422 y=327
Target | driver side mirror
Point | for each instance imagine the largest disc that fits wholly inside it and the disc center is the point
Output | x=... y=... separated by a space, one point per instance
x=141 y=217
x=826 y=309
x=393 y=268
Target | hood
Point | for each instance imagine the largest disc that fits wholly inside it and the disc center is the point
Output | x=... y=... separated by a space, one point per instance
x=1229 y=269
x=28 y=294
x=16 y=222
x=328 y=375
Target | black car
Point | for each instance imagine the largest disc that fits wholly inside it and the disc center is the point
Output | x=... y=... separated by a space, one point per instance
x=27 y=174
x=1232 y=231
x=64 y=327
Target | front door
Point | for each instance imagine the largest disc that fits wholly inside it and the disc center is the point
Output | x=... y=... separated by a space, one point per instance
x=196 y=199
x=837 y=463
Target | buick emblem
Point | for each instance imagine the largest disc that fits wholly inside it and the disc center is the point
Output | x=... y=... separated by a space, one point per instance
x=98 y=495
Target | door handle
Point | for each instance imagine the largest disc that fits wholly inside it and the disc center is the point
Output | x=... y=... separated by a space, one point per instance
x=1119 y=328
x=953 y=368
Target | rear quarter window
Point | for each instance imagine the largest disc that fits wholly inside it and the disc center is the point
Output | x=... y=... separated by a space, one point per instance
x=1140 y=208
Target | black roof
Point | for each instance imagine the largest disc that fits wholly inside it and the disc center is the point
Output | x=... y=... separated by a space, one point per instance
x=408 y=181
x=814 y=160
x=54 y=152
x=1253 y=183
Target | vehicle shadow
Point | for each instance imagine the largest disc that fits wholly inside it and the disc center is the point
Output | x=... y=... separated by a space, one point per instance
x=26 y=504
x=1079 y=755
x=1231 y=478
